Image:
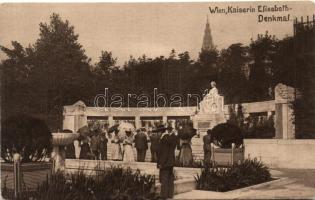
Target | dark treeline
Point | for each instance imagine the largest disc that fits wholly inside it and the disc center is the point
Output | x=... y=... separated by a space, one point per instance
x=55 y=71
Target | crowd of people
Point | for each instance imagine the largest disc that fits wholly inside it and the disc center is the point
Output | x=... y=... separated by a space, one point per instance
x=94 y=143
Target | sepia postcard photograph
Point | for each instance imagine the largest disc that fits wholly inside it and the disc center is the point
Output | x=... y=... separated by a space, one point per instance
x=157 y=100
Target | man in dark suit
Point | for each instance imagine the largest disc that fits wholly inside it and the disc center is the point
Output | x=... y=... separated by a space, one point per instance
x=141 y=144
x=103 y=144
x=94 y=144
x=207 y=147
x=166 y=162
x=154 y=138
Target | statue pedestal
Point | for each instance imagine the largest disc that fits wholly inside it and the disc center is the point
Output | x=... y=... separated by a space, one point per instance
x=211 y=113
x=208 y=121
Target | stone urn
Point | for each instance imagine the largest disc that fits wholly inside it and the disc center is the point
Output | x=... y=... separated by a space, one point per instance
x=59 y=141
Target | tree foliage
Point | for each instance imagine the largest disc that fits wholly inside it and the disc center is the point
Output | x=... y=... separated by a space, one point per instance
x=28 y=136
x=105 y=64
x=263 y=51
x=51 y=73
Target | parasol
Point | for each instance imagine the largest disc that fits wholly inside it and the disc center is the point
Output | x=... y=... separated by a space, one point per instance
x=187 y=132
x=113 y=128
x=123 y=127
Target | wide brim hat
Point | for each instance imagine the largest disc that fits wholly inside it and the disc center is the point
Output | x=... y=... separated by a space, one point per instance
x=160 y=128
x=187 y=132
x=141 y=129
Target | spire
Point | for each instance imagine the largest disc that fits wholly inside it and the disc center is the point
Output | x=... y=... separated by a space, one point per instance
x=207 y=38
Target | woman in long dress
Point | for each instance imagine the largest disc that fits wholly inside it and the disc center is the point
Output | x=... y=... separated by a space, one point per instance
x=185 y=154
x=128 y=149
x=116 y=148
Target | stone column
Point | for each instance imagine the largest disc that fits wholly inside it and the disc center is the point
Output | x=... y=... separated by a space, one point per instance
x=164 y=120
x=111 y=121
x=284 y=96
x=193 y=119
x=137 y=122
x=77 y=148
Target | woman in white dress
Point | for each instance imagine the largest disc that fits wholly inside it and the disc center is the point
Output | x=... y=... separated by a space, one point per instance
x=116 y=148
x=128 y=149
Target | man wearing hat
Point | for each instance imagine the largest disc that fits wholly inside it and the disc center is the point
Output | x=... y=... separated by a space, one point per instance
x=154 y=138
x=207 y=147
x=141 y=144
x=166 y=162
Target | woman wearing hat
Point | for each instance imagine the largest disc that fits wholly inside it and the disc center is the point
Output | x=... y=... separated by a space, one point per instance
x=128 y=149
x=116 y=149
x=185 y=135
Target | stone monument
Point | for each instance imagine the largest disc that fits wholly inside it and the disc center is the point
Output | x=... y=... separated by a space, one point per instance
x=211 y=110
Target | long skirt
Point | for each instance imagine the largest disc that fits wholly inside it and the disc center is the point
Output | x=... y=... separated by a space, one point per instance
x=185 y=155
x=116 y=152
x=128 y=153
x=207 y=157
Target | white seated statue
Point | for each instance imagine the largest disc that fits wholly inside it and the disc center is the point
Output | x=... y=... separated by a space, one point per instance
x=212 y=102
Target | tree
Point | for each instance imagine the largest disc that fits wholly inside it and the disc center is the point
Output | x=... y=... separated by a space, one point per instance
x=232 y=76
x=50 y=74
x=184 y=58
x=263 y=51
x=16 y=71
x=17 y=65
x=208 y=58
x=285 y=63
x=172 y=54
x=62 y=68
x=304 y=73
x=105 y=64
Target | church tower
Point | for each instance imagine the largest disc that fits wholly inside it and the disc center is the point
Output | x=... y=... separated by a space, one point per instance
x=207 y=38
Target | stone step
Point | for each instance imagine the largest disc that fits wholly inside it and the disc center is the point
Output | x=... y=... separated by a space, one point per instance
x=180 y=186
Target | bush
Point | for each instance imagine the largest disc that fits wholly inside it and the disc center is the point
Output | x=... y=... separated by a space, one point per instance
x=225 y=134
x=259 y=127
x=28 y=136
x=248 y=173
x=113 y=183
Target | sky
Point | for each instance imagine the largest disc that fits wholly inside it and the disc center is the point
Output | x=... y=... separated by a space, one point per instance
x=152 y=29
